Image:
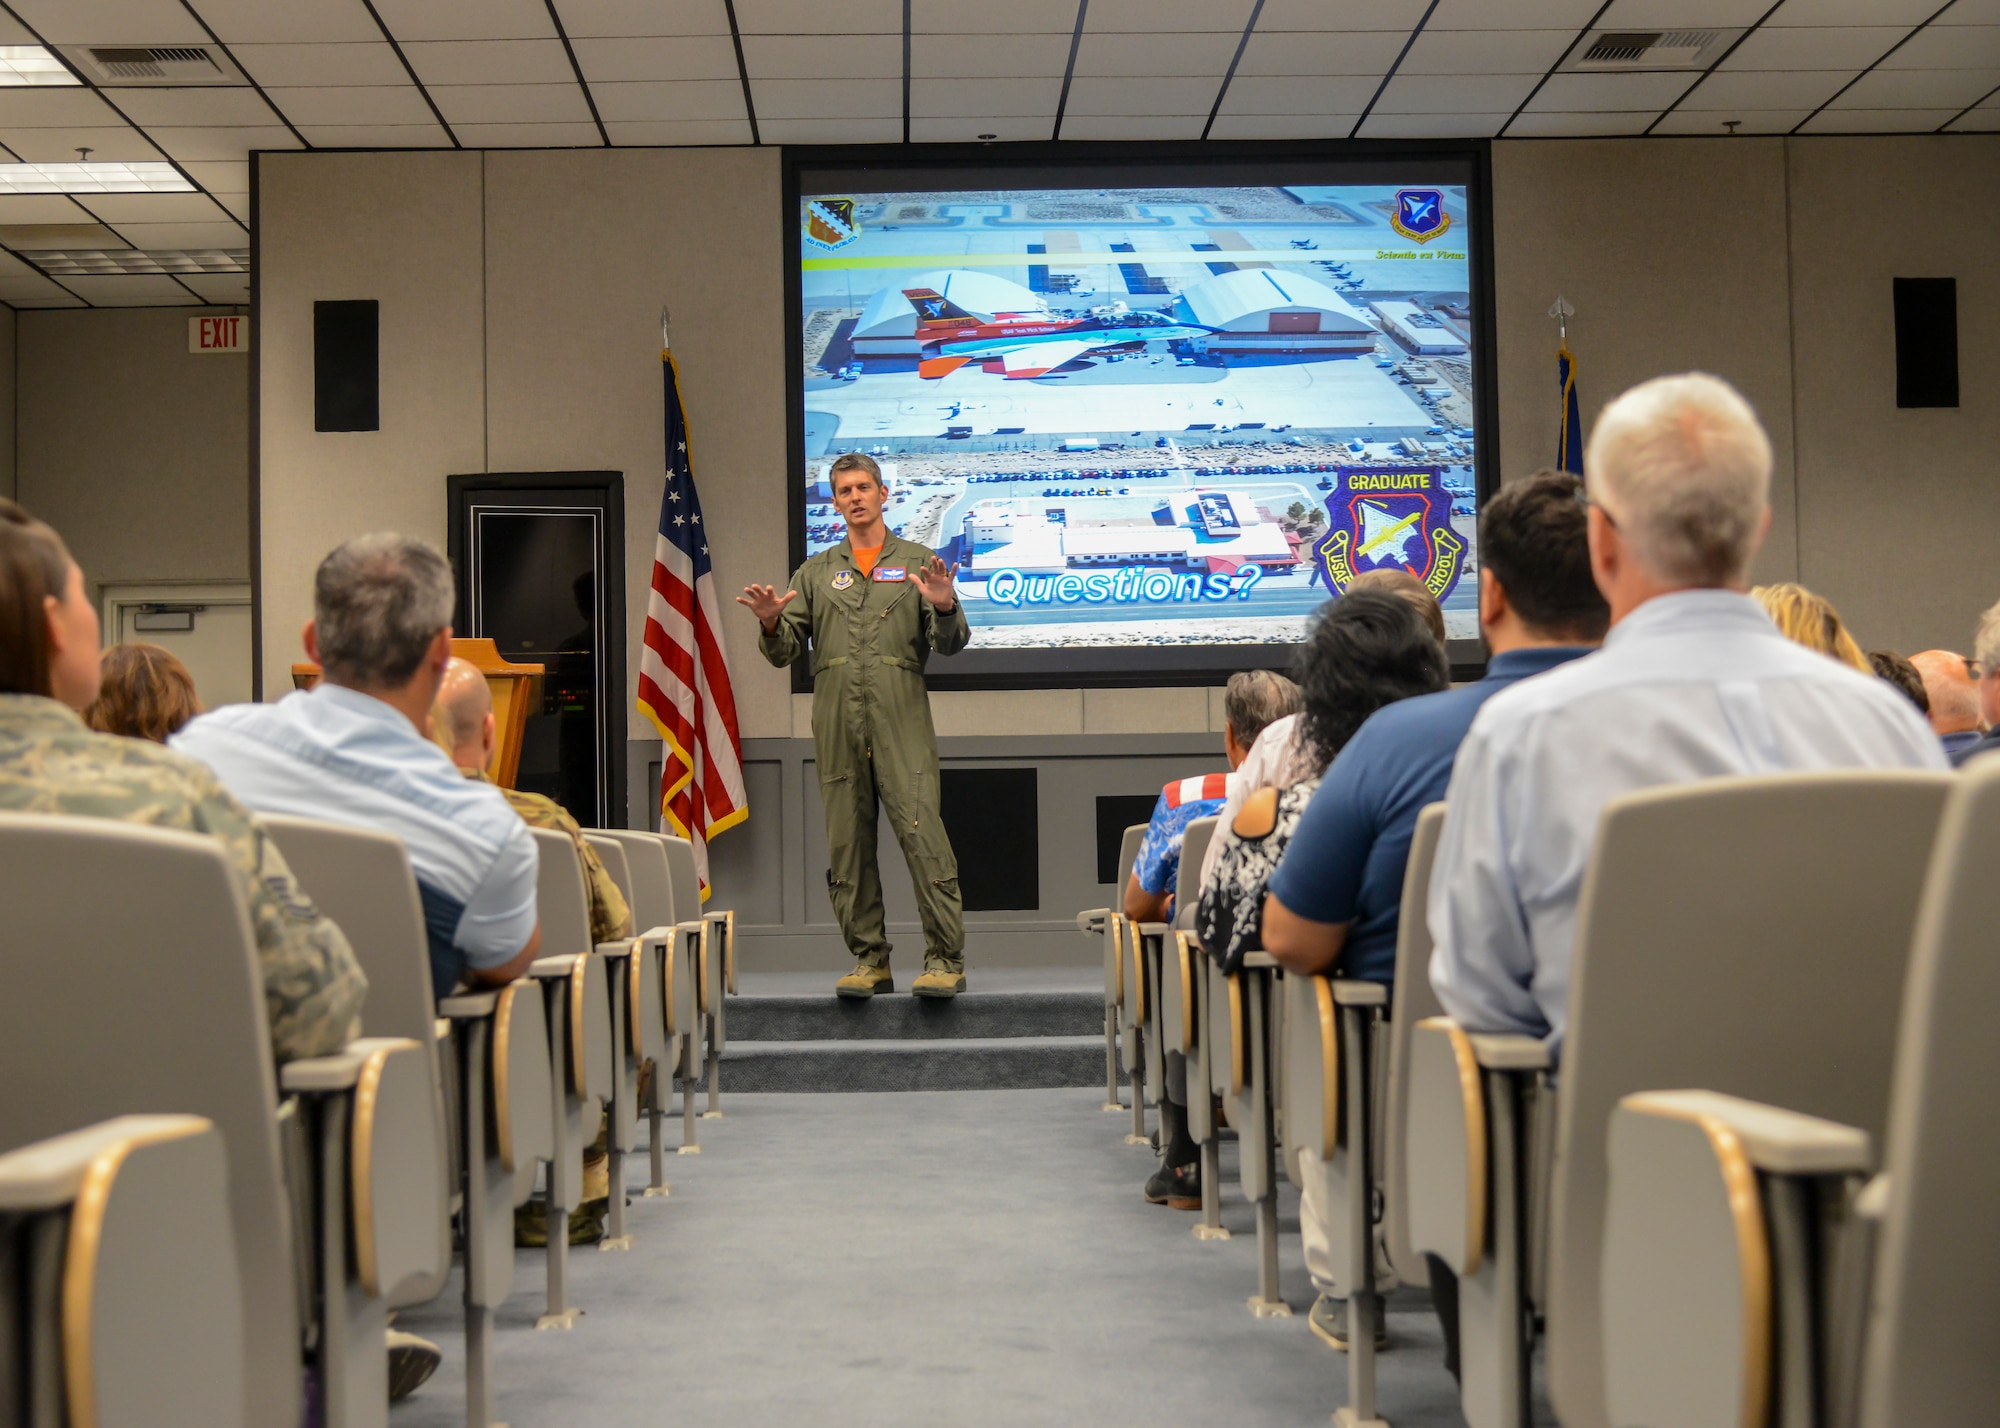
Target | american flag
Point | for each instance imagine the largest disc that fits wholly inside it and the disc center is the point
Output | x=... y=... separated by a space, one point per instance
x=683 y=672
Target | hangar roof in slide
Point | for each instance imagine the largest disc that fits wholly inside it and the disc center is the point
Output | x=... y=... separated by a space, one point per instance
x=1239 y=301
x=890 y=314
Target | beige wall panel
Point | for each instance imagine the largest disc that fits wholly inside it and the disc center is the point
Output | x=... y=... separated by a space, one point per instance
x=1673 y=254
x=403 y=229
x=136 y=449
x=1898 y=510
x=1145 y=711
x=583 y=249
x=1007 y=711
x=9 y=336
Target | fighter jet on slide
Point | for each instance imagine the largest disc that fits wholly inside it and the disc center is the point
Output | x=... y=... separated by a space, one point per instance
x=1026 y=344
x=1386 y=537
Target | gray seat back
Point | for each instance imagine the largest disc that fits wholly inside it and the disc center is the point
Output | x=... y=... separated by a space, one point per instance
x=132 y=985
x=562 y=900
x=1930 y=1353
x=1744 y=935
x=1128 y=857
x=685 y=879
x=1187 y=877
x=1410 y=1002
x=651 y=890
x=611 y=852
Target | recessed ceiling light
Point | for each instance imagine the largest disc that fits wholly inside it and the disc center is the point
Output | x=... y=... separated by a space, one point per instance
x=74 y=263
x=147 y=177
x=32 y=65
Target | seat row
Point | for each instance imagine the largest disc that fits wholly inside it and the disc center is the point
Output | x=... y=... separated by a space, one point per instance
x=182 y=1229
x=1772 y=978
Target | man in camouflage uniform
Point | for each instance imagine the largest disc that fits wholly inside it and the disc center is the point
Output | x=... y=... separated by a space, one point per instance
x=873 y=609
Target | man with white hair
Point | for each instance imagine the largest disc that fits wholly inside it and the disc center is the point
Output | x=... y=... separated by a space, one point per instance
x=1986 y=656
x=1693 y=682
x=1954 y=688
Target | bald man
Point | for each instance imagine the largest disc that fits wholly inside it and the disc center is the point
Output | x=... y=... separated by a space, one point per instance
x=463 y=723
x=1954 y=692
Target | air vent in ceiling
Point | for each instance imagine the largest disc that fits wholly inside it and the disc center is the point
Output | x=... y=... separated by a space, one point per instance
x=153 y=66
x=1612 y=51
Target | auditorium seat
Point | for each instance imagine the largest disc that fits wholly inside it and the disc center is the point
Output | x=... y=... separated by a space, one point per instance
x=1747 y=935
x=715 y=961
x=134 y=986
x=1413 y=1001
x=1107 y=926
x=120 y=1301
x=1740 y=1214
x=611 y=852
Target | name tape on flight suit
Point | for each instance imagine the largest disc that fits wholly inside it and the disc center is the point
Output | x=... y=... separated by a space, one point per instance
x=889 y=573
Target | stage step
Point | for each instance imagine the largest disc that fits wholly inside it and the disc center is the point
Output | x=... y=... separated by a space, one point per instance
x=898 y=1016
x=927 y=1064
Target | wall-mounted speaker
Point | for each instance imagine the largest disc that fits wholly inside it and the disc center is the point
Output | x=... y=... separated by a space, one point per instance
x=347 y=366
x=1926 y=342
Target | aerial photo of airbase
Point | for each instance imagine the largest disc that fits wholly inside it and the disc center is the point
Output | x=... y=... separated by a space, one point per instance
x=1150 y=416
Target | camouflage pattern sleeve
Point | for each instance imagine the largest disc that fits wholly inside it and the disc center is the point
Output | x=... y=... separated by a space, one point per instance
x=313 y=987
x=610 y=918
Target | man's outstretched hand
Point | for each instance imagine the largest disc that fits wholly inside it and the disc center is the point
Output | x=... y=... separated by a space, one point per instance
x=766 y=603
x=933 y=579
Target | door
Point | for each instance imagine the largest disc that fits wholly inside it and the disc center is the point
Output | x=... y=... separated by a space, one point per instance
x=207 y=627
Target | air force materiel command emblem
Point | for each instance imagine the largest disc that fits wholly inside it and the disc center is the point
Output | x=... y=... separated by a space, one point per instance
x=1395 y=519
x=842 y=579
x=1419 y=214
x=830 y=222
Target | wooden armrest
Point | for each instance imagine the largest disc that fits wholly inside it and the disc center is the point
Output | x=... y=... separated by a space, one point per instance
x=1348 y=993
x=49 y=1174
x=441 y=1028
x=1504 y=1051
x=469 y=1006
x=1259 y=960
x=1774 y=1140
x=549 y=969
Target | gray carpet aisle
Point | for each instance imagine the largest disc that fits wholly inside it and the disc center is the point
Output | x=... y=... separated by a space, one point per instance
x=922 y=1258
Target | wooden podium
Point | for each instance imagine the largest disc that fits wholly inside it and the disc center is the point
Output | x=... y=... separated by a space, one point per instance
x=517 y=690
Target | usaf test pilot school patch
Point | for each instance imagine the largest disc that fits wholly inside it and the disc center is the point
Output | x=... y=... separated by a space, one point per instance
x=889 y=574
x=1397 y=518
x=842 y=579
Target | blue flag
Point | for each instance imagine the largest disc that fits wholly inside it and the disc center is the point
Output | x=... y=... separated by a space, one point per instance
x=1569 y=435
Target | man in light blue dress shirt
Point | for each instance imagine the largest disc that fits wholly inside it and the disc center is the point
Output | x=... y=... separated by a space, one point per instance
x=1693 y=682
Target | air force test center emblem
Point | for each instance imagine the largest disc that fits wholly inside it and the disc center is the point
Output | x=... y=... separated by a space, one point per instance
x=1393 y=519
x=1419 y=214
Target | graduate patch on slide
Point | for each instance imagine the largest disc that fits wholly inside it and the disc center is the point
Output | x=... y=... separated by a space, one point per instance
x=889 y=574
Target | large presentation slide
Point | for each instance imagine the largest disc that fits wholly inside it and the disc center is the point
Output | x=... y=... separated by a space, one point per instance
x=1150 y=417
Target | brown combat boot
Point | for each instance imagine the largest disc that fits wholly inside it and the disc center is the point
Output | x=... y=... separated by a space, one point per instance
x=865 y=981
x=940 y=979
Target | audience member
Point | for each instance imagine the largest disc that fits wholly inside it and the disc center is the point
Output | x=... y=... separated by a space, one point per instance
x=147 y=693
x=50 y=762
x=1810 y=620
x=1951 y=684
x=1252 y=699
x=1394 y=580
x=1899 y=673
x=463 y=724
x=1986 y=658
x=355 y=749
x=1334 y=906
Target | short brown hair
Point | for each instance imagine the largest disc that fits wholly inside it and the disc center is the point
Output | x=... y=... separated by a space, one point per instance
x=1534 y=536
x=147 y=694
x=1391 y=580
x=856 y=461
x=34 y=568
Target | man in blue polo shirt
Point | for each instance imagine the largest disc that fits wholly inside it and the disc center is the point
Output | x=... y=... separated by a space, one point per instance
x=1335 y=901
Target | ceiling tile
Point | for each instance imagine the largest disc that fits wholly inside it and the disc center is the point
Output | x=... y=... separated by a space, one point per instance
x=816 y=17
x=1971 y=12
x=1486 y=51
x=189 y=108
x=978 y=98
x=161 y=237
x=830 y=131
x=137 y=290
x=410 y=20
x=232 y=289
x=59 y=146
x=1569 y=15
x=997 y=55
x=39 y=208
x=316 y=66
x=259 y=22
x=1255 y=95
x=1854 y=12
x=1142 y=126
x=1919 y=89
x=528 y=136
x=1307 y=54
x=583 y=19
x=1137 y=96
x=1877 y=121
x=220 y=177
x=111 y=22
x=374 y=136
x=1532 y=125
x=1851 y=49
x=1608 y=93
x=1282 y=126
x=1153 y=17
x=220 y=143
x=1753 y=121
x=1961 y=47
x=1432 y=126
x=1021 y=17
x=65 y=108
x=237 y=203
x=151 y=208
x=958 y=129
x=816 y=98
x=540 y=61
x=1980 y=121
x=511 y=103
x=1789 y=89
x=1155 y=56
x=359 y=104
x=1681 y=14
x=676 y=57
x=1286 y=15
x=649 y=133
x=680 y=100
x=1446 y=95
x=13 y=267
x=35 y=291
x=857 y=58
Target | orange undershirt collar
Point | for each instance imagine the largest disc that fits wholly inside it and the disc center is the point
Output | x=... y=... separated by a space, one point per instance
x=865 y=558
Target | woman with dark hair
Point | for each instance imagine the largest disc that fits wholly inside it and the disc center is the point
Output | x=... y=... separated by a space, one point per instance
x=144 y=692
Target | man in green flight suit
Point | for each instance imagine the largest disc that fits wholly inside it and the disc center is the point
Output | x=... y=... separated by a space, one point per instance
x=873 y=608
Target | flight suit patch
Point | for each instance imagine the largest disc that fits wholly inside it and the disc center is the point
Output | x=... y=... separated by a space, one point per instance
x=842 y=579
x=889 y=574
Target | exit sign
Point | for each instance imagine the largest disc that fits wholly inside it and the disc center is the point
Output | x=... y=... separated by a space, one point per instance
x=218 y=334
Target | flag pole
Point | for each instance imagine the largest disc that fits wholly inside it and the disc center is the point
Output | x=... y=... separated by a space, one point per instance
x=1569 y=429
